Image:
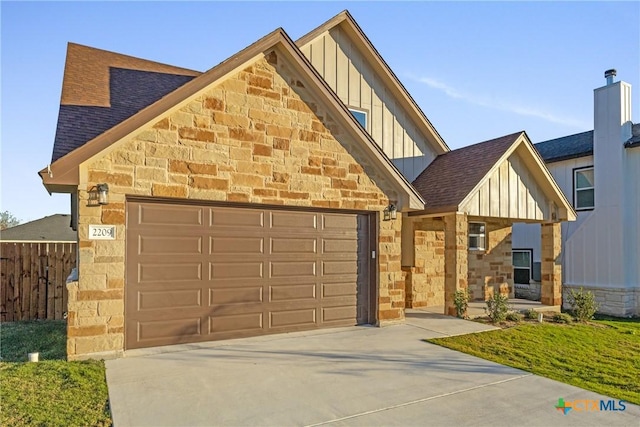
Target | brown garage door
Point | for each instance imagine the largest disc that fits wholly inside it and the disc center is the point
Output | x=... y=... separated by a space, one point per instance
x=200 y=273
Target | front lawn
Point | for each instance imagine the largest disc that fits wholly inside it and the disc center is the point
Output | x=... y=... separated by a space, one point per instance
x=52 y=392
x=601 y=356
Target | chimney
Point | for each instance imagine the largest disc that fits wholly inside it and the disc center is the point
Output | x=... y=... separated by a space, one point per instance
x=609 y=75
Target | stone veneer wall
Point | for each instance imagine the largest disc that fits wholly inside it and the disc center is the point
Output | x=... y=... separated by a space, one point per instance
x=425 y=280
x=620 y=302
x=491 y=270
x=259 y=137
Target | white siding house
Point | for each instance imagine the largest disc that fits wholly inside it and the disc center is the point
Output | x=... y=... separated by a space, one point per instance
x=599 y=171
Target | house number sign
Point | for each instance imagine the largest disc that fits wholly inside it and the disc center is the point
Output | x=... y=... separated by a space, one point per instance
x=102 y=232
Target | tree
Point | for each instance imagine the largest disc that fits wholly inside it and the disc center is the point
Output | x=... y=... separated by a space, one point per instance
x=7 y=220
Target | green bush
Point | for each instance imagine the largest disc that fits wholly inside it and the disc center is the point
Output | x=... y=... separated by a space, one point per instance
x=514 y=316
x=461 y=301
x=583 y=304
x=497 y=308
x=562 y=318
x=531 y=314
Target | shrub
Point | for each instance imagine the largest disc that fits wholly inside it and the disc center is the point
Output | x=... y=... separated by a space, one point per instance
x=562 y=318
x=514 y=316
x=531 y=314
x=497 y=308
x=583 y=304
x=461 y=301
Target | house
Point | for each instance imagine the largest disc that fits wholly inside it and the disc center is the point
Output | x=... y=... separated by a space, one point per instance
x=600 y=169
x=50 y=229
x=273 y=193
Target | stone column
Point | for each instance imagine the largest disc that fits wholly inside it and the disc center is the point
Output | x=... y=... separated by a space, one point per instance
x=551 y=268
x=456 y=245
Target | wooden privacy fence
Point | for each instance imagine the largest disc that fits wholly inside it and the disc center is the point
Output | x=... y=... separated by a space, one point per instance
x=34 y=279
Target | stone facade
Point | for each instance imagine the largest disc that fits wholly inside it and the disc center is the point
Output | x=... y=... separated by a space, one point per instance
x=491 y=270
x=425 y=280
x=456 y=242
x=551 y=264
x=619 y=302
x=260 y=136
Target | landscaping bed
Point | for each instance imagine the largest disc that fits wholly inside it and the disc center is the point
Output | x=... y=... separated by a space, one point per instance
x=52 y=392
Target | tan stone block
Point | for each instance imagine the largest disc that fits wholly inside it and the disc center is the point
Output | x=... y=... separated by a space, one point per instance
x=111 y=308
x=246 y=135
x=264 y=93
x=254 y=168
x=86 y=331
x=151 y=174
x=264 y=192
x=92 y=281
x=98 y=295
x=293 y=195
x=268 y=117
x=247 y=180
x=147 y=135
x=97 y=344
x=167 y=151
x=279 y=177
x=238 y=197
x=202 y=182
x=213 y=103
x=231 y=120
x=260 y=81
x=262 y=150
x=281 y=144
x=113 y=217
x=310 y=170
x=240 y=153
x=111 y=178
x=344 y=183
x=162 y=124
x=115 y=283
x=92 y=320
x=279 y=131
x=164 y=190
x=197 y=134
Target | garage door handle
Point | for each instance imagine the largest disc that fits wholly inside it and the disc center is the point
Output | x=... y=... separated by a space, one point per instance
x=373 y=254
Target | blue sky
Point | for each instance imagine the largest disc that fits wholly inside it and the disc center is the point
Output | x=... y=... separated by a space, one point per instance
x=478 y=70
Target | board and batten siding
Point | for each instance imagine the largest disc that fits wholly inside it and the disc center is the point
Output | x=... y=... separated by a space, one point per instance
x=510 y=191
x=352 y=78
x=527 y=236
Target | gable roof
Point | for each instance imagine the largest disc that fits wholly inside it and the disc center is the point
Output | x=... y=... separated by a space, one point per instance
x=53 y=228
x=351 y=27
x=566 y=147
x=63 y=174
x=447 y=183
x=453 y=175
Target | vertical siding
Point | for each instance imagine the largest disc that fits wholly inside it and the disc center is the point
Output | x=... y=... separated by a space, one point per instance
x=509 y=192
x=347 y=72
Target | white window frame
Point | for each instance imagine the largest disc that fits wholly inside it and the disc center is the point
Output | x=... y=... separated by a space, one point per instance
x=530 y=268
x=576 y=189
x=482 y=235
x=363 y=112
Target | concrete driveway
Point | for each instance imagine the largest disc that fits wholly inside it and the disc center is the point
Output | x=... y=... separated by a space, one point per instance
x=362 y=376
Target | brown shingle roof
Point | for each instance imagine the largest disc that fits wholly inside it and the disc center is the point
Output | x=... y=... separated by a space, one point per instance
x=451 y=176
x=86 y=74
x=53 y=228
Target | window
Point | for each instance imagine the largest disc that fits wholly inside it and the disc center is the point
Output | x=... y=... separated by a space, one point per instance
x=476 y=235
x=583 y=189
x=521 y=265
x=360 y=116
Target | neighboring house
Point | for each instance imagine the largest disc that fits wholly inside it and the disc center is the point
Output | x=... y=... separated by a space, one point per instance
x=273 y=193
x=600 y=171
x=50 y=229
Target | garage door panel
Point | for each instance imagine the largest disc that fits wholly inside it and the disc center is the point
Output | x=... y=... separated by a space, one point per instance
x=169 y=245
x=168 y=299
x=157 y=214
x=235 y=322
x=236 y=245
x=236 y=217
x=236 y=270
x=292 y=245
x=243 y=272
x=290 y=292
x=153 y=330
x=173 y=272
x=279 y=269
x=236 y=295
x=299 y=317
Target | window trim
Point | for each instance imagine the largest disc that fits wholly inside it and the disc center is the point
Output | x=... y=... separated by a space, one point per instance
x=484 y=236
x=575 y=189
x=360 y=110
x=530 y=251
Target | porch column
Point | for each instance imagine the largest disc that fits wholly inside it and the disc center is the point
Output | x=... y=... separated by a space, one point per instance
x=551 y=268
x=455 y=258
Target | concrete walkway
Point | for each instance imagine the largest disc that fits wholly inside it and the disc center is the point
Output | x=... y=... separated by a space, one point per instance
x=348 y=376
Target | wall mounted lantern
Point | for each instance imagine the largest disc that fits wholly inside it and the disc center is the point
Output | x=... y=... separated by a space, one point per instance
x=99 y=195
x=390 y=212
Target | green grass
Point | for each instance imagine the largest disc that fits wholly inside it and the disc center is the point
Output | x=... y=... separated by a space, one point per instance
x=52 y=392
x=601 y=356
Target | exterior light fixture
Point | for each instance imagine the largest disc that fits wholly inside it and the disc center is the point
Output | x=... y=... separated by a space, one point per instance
x=390 y=212
x=103 y=194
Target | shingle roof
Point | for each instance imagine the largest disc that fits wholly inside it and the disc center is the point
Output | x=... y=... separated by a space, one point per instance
x=101 y=89
x=451 y=176
x=566 y=147
x=634 y=141
x=54 y=228
x=129 y=92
